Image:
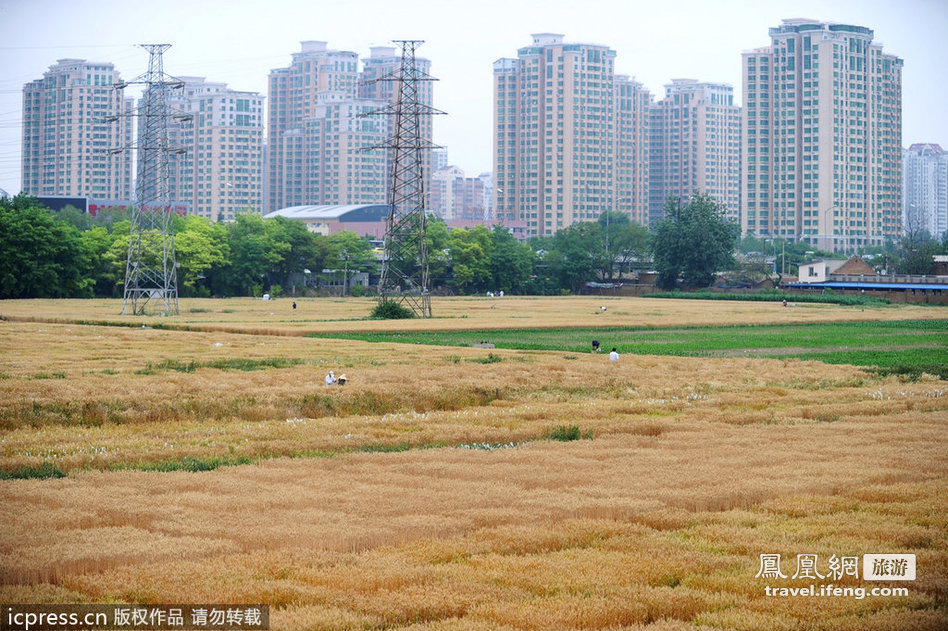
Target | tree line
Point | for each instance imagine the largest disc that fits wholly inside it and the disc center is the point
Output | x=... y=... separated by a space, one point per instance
x=70 y=254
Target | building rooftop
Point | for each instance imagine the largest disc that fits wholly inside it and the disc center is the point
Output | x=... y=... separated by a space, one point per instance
x=868 y=285
x=343 y=213
x=928 y=147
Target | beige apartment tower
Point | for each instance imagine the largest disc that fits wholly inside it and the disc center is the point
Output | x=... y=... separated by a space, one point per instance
x=319 y=129
x=72 y=117
x=221 y=172
x=454 y=196
x=696 y=145
x=564 y=128
x=632 y=149
x=822 y=137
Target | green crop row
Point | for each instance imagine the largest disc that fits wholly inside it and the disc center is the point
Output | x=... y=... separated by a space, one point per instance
x=775 y=295
x=910 y=343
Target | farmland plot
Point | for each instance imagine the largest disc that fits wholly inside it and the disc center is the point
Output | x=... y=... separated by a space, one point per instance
x=461 y=488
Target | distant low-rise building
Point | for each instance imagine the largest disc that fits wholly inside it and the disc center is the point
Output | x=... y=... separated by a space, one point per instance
x=819 y=271
x=854 y=275
x=824 y=270
x=96 y=206
x=363 y=219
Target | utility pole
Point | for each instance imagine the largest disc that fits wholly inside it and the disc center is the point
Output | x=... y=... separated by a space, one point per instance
x=405 y=276
x=151 y=268
x=345 y=273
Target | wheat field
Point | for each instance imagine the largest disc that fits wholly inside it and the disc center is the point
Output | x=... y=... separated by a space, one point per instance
x=428 y=494
x=326 y=315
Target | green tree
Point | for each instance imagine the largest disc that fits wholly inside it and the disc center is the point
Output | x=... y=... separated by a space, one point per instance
x=438 y=239
x=350 y=253
x=114 y=260
x=302 y=251
x=917 y=253
x=787 y=255
x=752 y=243
x=84 y=221
x=254 y=252
x=200 y=246
x=97 y=244
x=40 y=256
x=544 y=280
x=79 y=219
x=471 y=250
x=622 y=243
x=511 y=261
x=576 y=255
x=694 y=241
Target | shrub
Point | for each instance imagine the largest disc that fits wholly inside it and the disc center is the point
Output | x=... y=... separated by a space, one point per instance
x=391 y=310
x=490 y=359
x=565 y=433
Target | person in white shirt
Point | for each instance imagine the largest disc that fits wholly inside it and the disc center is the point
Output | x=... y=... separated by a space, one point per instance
x=613 y=355
x=330 y=378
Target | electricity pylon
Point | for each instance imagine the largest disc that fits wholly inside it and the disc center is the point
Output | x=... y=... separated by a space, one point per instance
x=405 y=276
x=151 y=269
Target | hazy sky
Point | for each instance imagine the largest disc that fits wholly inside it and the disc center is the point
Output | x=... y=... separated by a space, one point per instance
x=240 y=41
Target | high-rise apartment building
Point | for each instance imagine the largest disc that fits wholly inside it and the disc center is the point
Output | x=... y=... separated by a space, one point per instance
x=72 y=117
x=822 y=125
x=487 y=186
x=445 y=191
x=439 y=159
x=696 y=145
x=925 y=189
x=557 y=150
x=632 y=149
x=316 y=74
x=454 y=196
x=221 y=171
x=378 y=82
x=317 y=137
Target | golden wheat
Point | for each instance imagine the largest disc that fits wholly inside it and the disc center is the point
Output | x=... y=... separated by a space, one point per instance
x=689 y=470
x=322 y=315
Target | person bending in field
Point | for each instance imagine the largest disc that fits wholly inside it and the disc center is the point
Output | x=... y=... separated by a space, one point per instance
x=595 y=346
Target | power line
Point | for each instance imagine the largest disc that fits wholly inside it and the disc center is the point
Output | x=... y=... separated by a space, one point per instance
x=66 y=47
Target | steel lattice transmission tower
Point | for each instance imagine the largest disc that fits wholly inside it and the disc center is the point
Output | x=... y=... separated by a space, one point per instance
x=405 y=276
x=151 y=269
